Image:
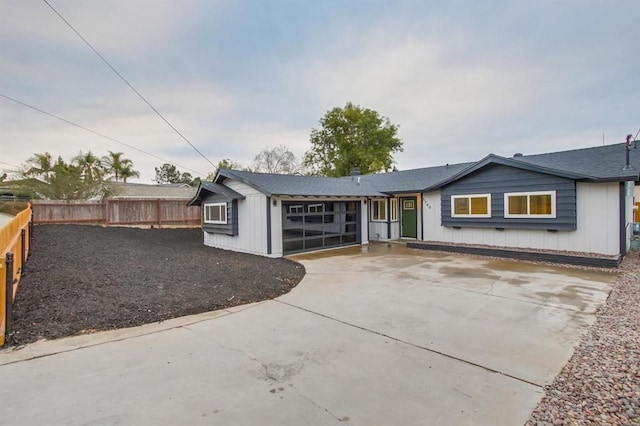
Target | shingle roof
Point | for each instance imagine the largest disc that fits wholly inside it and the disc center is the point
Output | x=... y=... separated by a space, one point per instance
x=139 y=190
x=600 y=162
x=273 y=184
x=414 y=180
x=214 y=188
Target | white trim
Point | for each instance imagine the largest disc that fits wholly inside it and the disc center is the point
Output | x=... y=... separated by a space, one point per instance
x=469 y=197
x=528 y=195
x=315 y=208
x=205 y=210
x=393 y=209
x=297 y=209
x=373 y=210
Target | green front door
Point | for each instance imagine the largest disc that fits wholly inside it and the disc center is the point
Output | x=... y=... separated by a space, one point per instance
x=409 y=217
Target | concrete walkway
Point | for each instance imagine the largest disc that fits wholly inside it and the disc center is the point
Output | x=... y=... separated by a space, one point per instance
x=371 y=336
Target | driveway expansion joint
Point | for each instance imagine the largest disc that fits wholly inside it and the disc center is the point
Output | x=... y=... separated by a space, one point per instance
x=513 y=299
x=315 y=404
x=483 y=367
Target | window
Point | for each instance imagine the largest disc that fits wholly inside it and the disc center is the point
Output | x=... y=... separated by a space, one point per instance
x=215 y=213
x=530 y=204
x=474 y=205
x=295 y=209
x=315 y=208
x=379 y=210
x=394 y=210
x=408 y=205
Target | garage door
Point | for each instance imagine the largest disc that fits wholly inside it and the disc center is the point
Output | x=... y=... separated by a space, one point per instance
x=312 y=225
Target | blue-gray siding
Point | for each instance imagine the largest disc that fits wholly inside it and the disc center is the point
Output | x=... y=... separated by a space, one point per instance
x=231 y=227
x=498 y=180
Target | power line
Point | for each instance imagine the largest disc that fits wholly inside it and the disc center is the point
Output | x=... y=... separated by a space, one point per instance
x=95 y=133
x=129 y=84
x=9 y=164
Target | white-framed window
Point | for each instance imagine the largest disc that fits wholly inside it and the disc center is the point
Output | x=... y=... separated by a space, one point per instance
x=471 y=205
x=215 y=213
x=393 y=210
x=537 y=204
x=295 y=209
x=315 y=208
x=408 y=204
x=379 y=210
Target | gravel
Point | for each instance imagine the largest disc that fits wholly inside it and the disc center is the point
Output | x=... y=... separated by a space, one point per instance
x=600 y=385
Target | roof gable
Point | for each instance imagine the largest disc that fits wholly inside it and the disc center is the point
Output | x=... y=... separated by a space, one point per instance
x=214 y=188
x=492 y=159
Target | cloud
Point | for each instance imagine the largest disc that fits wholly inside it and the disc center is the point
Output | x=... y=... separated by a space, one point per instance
x=111 y=26
x=235 y=78
x=423 y=82
x=209 y=117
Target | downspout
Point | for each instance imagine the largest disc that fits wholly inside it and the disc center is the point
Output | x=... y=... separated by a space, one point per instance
x=359 y=229
x=421 y=216
x=268 y=225
x=388 y=219
x=623 y=220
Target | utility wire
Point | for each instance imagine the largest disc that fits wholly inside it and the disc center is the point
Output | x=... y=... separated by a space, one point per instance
x=9 y=164
x=95 y=133
x=129 y=84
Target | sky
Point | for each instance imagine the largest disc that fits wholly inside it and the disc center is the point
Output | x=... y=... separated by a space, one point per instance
x=461 y=78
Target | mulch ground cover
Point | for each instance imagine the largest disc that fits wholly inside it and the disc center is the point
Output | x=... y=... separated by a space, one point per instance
x=82 y=279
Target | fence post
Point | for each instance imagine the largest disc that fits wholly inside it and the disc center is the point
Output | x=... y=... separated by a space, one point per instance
x=8 y=312
x=30 y=234
x=159 y=213
x=23 y=258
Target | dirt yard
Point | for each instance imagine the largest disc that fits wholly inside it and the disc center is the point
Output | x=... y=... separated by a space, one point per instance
x=81 y=279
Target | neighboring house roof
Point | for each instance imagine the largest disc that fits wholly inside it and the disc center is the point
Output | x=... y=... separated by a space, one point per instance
x=214 y=188
x=140 y=190
x=313 y=186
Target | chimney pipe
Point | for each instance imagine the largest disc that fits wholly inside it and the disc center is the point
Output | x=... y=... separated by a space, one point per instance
x=627 y=145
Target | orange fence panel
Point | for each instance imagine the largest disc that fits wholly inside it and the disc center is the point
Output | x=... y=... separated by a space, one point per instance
x=15 y=239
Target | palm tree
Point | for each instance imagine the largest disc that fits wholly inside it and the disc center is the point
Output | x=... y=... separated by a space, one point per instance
x=127 y=172
x=115 y=164
x=41 y=165
x=90 y=165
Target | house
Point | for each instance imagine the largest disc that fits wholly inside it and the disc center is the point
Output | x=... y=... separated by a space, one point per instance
x=274 y=215
x=128 y=190
x=572 y=206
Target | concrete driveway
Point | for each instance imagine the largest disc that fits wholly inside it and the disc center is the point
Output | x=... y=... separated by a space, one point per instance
x=372 y=336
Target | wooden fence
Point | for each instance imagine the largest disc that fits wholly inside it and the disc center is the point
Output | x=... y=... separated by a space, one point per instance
x=15 y=243
x=119 y=211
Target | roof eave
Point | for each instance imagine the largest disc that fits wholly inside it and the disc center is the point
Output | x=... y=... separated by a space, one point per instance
x=196 y=200
x=228 y=174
